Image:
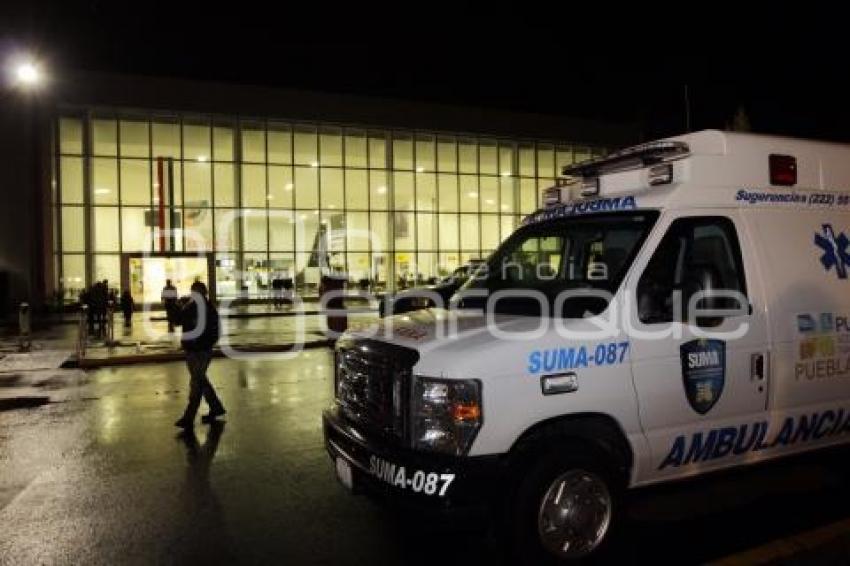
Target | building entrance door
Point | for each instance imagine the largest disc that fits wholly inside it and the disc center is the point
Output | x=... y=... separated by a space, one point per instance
x=145 y=275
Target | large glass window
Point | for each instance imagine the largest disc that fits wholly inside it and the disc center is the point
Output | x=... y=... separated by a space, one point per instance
x=306 y=188
x=104 y=181
x=446 y=155
x=425 y=154
x=402 y=151
x=426 y=191
x=306 y=146
x=448 y=193
x=357 y=189
x=104 y=137
x=223 y=142
x=256 y=235
x=135 y=138
x=467 y=156
x=197 y=184
x=280 y=187
x=73 y=232
x=197 y=141
x=378 y=191
x=330 y=147
x=281 y=230
x=377 y=150
x=136 y=233
x=135 y=181
x=488 y=157
x=253 y=142
x=332 y=189
x=107 y=268
x=198 y=227
x=105 y=231
x=71 y=136
x=166 y=139
x=385 y=204
x=71 y=180
x=254 y=193
x=357 y=228
x=280 y=143
x=469 y=193
x=356 y=149
x=403 y=191
x=225 y=184
x=489 y=187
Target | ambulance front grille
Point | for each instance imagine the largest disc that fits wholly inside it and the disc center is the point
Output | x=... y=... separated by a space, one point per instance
x=372 y=381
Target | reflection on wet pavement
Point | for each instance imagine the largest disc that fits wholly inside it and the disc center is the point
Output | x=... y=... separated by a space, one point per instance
x=97 y=476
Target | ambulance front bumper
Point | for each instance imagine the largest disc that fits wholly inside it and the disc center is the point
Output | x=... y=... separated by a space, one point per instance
x=417 y=479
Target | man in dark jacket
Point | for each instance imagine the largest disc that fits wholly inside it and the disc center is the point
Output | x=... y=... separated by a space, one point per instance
x=200 y=322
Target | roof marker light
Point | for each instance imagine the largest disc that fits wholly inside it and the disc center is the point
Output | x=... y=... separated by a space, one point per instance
x=783 y=170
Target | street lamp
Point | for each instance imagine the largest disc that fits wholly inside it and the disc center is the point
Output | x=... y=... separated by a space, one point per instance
x=26 y=74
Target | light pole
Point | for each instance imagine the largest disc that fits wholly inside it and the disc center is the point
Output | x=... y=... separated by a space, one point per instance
x=25 y=81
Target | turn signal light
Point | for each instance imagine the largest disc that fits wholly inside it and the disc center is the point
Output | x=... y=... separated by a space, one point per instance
x=465 y=412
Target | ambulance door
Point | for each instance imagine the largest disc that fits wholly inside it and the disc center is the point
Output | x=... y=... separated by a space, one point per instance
x=694 y=375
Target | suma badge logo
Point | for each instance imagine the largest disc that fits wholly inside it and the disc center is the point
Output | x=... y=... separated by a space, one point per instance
x=703 y=372
x=834 y=247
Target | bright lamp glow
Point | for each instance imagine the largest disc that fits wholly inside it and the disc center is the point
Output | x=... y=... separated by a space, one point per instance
x=27 y=74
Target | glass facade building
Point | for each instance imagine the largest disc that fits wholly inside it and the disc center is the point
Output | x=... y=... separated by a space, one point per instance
x=260 y=198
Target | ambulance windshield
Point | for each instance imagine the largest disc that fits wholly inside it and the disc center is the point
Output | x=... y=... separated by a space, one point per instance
x=552 y=257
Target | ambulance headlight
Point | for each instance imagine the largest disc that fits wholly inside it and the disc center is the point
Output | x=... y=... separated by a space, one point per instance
x=446 y=414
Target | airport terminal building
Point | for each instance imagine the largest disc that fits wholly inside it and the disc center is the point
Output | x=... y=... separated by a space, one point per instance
x=135 y=180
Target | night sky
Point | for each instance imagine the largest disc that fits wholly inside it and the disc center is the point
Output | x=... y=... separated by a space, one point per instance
x=786 y=68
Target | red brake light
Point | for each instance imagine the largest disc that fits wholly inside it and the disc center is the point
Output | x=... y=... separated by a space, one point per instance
x=783 y=170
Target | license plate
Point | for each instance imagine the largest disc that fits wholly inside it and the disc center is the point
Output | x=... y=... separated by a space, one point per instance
x=343 y=473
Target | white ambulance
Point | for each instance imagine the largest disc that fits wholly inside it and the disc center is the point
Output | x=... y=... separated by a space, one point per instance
x=689 y=311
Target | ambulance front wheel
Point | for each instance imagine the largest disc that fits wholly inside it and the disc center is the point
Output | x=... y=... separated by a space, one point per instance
x=564 y=510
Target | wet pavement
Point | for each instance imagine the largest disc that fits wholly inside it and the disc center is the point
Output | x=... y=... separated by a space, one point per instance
x=258 y=328
x=99 y=476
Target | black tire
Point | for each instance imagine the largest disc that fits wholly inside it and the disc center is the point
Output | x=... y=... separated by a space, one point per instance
x=524 y=511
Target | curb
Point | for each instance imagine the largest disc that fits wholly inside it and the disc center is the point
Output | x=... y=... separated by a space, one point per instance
x=94 y=363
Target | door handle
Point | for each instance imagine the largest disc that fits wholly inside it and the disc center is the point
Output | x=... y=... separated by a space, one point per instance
x=757 y=367
x=559 y=383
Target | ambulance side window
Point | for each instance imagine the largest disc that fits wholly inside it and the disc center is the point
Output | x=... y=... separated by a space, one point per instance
x=696 y=254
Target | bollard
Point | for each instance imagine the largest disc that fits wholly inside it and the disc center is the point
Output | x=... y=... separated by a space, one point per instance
x=24 y=328
x=82 y=333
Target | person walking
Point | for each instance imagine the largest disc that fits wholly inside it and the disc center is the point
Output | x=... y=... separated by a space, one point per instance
x=169 y=298
x=201 y=330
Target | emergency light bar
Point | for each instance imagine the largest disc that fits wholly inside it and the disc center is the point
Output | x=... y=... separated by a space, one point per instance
x=629 y=158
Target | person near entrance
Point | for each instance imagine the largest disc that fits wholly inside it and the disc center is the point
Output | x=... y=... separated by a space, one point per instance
x=169 y=301
x=200 y=322
x=127 y=306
